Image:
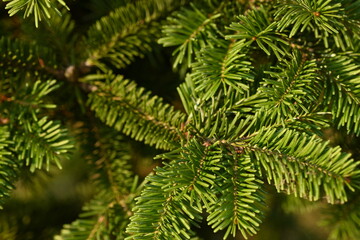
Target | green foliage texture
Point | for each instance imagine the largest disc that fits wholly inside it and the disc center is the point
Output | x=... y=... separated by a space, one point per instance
x=261 y=82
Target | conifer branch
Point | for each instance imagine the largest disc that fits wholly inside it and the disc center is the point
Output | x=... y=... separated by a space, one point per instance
x=256 y=27
x=264 y=120
x=112 y=167
x=127 y=32
x=107 y=215
x=239 y=207
x=293 y=87
x=40 y=141
x=303 y=158
x=128 y=108
x=263 y=81
x=188 y=30
x=41 y=9
x=58 y=36
x=19 y=57
x=29 y=99
x=8 y=167
x=318 y=15
x=343 y=92
x=220 y=67
x=102 y=218
x=180 y=199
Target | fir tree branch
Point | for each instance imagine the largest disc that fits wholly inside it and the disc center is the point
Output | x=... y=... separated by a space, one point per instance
x=128 y=108
x=310 y=123
x=293 y=87
x=258 y=96
x=289 y=158
x=20 y=57
x=35 y=140
x=222 y=65
x=241 y=201
x=8 y=167
x=197 y=177
x=256 y=27
x=40 y=141
x=168 y=205
x=188 y=30
x=28 y=99
x=39 y=8
x=112 y=169
x=107 y=215
x=342 y=88
x=318 y=15
x=57 y=34
x=301 y=164
x=102 y=218
x=127 y=32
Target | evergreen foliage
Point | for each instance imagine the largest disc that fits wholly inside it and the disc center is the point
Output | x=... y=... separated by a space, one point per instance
x=116 y=188
x=125 y=106
x=40 y=9
x=264 y=80
x=126 y=32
